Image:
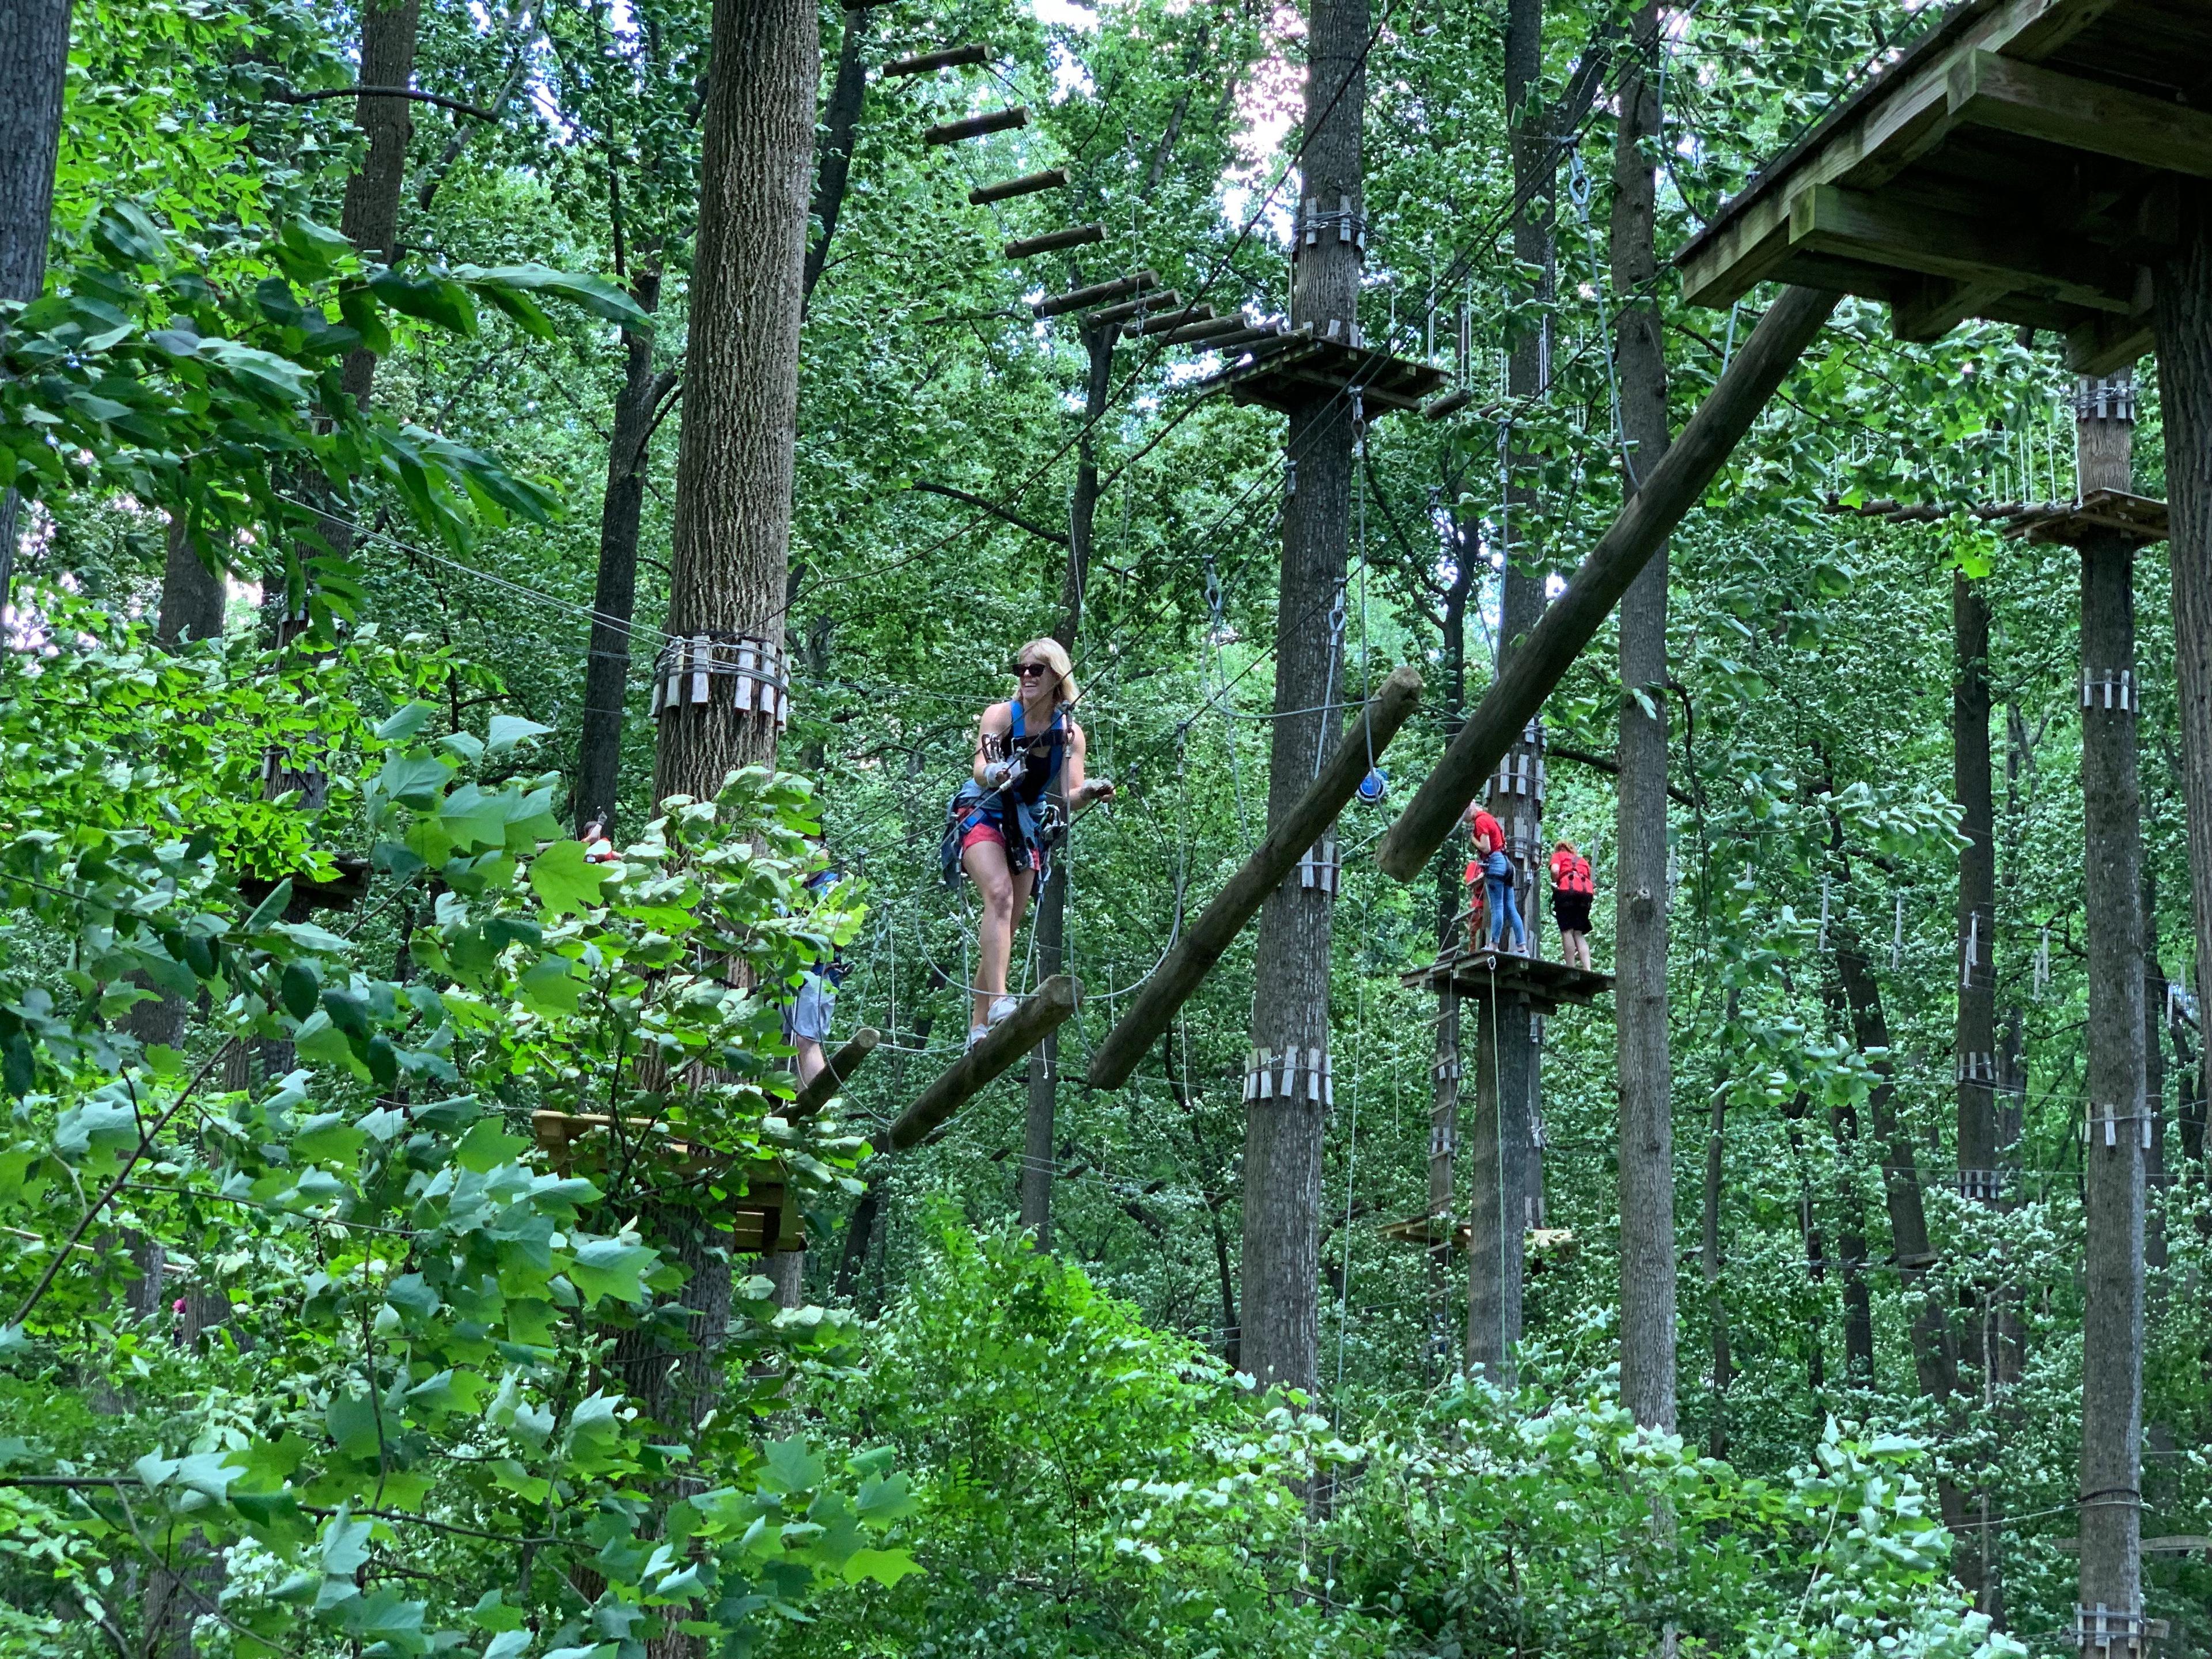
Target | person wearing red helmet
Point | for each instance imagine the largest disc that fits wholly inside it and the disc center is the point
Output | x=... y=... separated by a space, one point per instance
x=1573 y=889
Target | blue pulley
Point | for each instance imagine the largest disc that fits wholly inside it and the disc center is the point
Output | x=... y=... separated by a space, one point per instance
x=1374 y=786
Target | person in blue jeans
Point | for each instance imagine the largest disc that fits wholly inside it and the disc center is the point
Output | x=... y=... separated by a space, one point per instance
x=1501 y=901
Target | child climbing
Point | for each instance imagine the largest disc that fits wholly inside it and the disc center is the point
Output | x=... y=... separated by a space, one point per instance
x=1573 y=889
x=1495 y=866
x=1000 y=826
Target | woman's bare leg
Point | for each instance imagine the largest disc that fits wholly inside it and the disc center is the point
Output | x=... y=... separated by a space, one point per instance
x=986 y=865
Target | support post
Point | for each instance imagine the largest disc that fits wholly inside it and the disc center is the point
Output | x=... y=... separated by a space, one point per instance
x=1207 y=938
x=2112 y=1161
x=1675 y=485
x=1503 y=1146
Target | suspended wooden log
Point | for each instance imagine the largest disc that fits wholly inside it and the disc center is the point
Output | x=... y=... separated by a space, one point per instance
x=951 y=58
x=1260 y=334
x=1073 y=236
x=1205 y=939
x=977 y=126
x=1189 y=333
x=818 y=1090
x=1097 y=294
x=1005 y=1044
x=1171 y=320
x=1147 y=306
x=1028 y=185
x=1450 y=404
x=1676 y=484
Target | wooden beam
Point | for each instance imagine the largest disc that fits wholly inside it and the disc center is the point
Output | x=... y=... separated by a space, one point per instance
x=1209 y=329
x=1148 y=304
x=1005 y=1044
x=2105 y=345
x=975 y=126
x=952 y=57
x=1928 y=307
x=1053 y=240
x=1676 y=484
x=1855 y=224
x=2004 y=95
x=816 y=1093
x=1028 y=185
x=1167 y=320
x=1205 y=939
x=1097 y=294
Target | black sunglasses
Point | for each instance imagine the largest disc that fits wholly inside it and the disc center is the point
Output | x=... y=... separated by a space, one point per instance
x=1026 y=669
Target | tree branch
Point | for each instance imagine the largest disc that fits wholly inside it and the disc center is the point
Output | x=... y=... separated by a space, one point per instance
x=1608 y=764
x=282 y=94
x=996 y=511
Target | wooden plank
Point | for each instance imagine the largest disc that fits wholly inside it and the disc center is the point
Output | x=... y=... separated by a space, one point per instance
x=1212 y=328
x=1857 y=225
x=951 y=58
x=1932 y=307
x=1028 y=185
x=1147 y=305
x=835 y=1073
x=1097 y=294
x=1053 y=240
x=1167 y=321
x=1207 y=939
x=976 y=126
x=1985 y=90
x=2105 y=345
x=1005 y=1044
x=1678 y=482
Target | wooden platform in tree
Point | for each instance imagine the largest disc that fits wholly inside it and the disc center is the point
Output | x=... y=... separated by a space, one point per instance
x=2141 y=519
x=1487 y=972
x=761 y=1219
x=1545 y=1244
x=1305 y=373
x=2016 y=163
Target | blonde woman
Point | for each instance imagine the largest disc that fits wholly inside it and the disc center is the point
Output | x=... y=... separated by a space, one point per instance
x=997 y=828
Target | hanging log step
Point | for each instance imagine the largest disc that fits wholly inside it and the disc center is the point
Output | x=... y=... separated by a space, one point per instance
x=1007 y=1042
x=1148 y=305
x=820 y=1089
x=1191 y=333
x=1450 y=404
x=1169 y=321
x=1097 y=294
x=1028 y=185
x=1208 y=938
x=1258 y=334
x=977 y=126
x=951 y=58
x=1073 y=236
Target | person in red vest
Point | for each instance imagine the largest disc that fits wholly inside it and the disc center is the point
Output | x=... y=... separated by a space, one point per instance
x=1573 y=889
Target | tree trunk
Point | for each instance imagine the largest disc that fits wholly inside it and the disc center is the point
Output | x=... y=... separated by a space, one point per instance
x=193 y=598
x=1977 y=876
x=1647 y=1137
x=33 y=64
x=1283 y=1139
x=1051 y=924
x=2112 y=1172
x=2182 y=315
x=1502 y=1209
x=1808 y=1224
x=1447 y=1069
x=1715 y=1302
x=614 y=597
x=370 y=217
x=841 y=119
x=734 y=462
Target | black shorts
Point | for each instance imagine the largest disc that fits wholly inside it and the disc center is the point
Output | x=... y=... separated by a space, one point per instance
x=1571 y=910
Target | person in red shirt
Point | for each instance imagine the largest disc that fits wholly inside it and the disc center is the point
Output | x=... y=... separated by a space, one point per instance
x=1573 y=889
x=1496 y=868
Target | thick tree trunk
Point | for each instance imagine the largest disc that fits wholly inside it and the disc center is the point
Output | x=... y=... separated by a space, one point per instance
x=1808 y=1224
x=33 y=64
x=1647 y=1137
x=2182 y=312
x=734 y=462
x=192 y=597
x=1502 y=1208
x=841 y=119
x=1978 y=878
x=1715 y=1302
x=1851 y=1251
x=1051 y=924
x=2113 y=1171
x=370 y=217
x=1447 y=1069
x=1283 y=1139
x=614 y=596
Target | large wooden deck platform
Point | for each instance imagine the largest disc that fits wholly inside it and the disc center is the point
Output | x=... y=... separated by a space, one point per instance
x=1295 y=375
x=2015 y=163
x=1484 y=973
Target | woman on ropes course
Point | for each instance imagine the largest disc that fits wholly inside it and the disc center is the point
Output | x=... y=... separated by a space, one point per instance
x=1573 y=889
x=1001 y=826
x=1493 y=865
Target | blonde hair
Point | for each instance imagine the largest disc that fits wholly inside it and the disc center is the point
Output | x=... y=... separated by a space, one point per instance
x=1054 y=656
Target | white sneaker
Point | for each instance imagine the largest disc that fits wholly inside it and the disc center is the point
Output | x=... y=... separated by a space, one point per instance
x=1002 y=1007
x=976 y=1034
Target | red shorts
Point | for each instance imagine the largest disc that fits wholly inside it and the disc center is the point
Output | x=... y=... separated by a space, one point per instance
x=986 y=832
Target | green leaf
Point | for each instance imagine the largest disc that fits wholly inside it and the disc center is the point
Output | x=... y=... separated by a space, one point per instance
x=487 y=1146
x=790 y=1465
x=886 y=1567
x=565 y=880
x=405 y=722
x=608 y=1267
x=551 y=986
x=595 y=295
x=433 y=299
x=507 y=730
